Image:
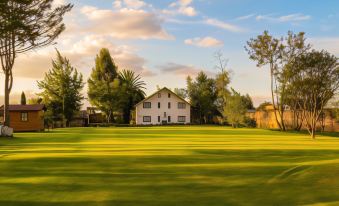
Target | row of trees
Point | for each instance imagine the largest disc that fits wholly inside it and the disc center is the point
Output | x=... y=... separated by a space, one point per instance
x=113 y=92
x=302 y=78
x=212 y=97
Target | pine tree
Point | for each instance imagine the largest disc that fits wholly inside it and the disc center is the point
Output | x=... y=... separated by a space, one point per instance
x=104 y=84
x=23 y=99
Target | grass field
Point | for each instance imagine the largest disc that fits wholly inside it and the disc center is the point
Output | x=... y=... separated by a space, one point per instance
x=168 y=166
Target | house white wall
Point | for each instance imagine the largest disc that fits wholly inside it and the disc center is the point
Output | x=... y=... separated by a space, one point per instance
x=174 y=112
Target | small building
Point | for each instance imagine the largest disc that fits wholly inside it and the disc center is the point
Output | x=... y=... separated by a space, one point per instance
x=163 y=107
x=25 y=118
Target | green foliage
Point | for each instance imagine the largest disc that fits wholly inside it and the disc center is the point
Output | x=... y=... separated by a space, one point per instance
x=181 y=92
x=62 y=87
x=235 y=109
x=36 y=100
x=132 y=92
x=250 y=123
x=314 y=77
x=202 y=94
x=23 y=99
x=104 y=85
x=277 y=53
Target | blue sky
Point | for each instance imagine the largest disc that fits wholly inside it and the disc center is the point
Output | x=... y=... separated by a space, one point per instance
x=167 y=40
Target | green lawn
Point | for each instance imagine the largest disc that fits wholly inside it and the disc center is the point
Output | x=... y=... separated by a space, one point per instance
x=168 y=166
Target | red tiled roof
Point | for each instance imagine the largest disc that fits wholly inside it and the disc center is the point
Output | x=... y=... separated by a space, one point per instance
x=28 y=107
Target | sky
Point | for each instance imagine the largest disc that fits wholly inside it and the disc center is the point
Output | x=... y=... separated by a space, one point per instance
x=166 y=40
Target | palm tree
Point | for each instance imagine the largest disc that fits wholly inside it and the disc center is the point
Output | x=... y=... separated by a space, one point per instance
x=132 y=92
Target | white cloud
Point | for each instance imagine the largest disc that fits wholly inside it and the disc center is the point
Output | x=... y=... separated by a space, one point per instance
x=223 y=25
x=204 y=42
x=183 y=7
x=117 y=4
x=124 y=23
x=131 y=4
x=245 y=17
x=81 y=55
x=287 y=18
x=183 y=70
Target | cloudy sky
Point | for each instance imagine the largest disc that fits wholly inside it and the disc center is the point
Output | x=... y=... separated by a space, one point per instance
x=167 y=40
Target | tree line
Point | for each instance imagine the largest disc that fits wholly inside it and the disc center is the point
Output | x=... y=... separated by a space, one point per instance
x=212 y=97
x=112 y=91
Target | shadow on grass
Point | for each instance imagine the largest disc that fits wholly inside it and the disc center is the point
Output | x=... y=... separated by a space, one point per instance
x=305 y=132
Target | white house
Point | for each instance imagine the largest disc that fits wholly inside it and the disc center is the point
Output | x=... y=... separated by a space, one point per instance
x=163 y=107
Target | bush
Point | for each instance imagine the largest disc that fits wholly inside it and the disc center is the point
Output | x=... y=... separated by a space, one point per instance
x=250 y=123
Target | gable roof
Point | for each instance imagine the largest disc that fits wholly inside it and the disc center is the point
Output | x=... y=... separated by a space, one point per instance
x=28 y=107
x=165 y=88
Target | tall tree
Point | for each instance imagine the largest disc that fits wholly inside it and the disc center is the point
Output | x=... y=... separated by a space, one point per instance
x=23 y=99
x=315 y=75
x=104 y=84
x=62 y=86
x=202 y=95
x=277 y=53
x=132 y=92
x=24 y=26
x=222 y=80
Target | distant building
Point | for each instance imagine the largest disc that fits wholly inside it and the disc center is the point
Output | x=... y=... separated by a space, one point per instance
x=25 y=118
x=163 y=107
x=265 y=118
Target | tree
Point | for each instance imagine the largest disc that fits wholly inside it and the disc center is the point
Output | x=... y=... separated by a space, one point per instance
x=202 y=95
x=36 y=100
x=247 y=101
x=104 y=84
x=25 y=26
x=222 y=80
x=235 y=109
x=316 y=77
x=181 y=92
x=62 y=87
x=132 y=92
x=23 y=99
x=277 y=53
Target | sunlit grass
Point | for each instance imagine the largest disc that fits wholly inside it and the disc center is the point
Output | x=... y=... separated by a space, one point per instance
x=169 y=166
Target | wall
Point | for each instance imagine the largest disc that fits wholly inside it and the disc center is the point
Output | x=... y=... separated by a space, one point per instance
x=266 y=119
x=154 y=112
x=35 y=121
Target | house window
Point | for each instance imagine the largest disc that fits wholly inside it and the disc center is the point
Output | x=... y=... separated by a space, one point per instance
x=147 y=104
x=181 y=105
x=181 y=119
x=24 y=116
x=165 y=115
x=147 y=118
x=169 y=105
x=158 y=118
x=169 y=118
x=169 y=95
x=159 y=95
x=158 y=105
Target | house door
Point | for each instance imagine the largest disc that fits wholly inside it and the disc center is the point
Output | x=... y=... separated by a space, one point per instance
x=164 y=122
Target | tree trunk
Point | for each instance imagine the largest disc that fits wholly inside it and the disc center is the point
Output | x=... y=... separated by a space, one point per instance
x=6 y=103
x=273 y=101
